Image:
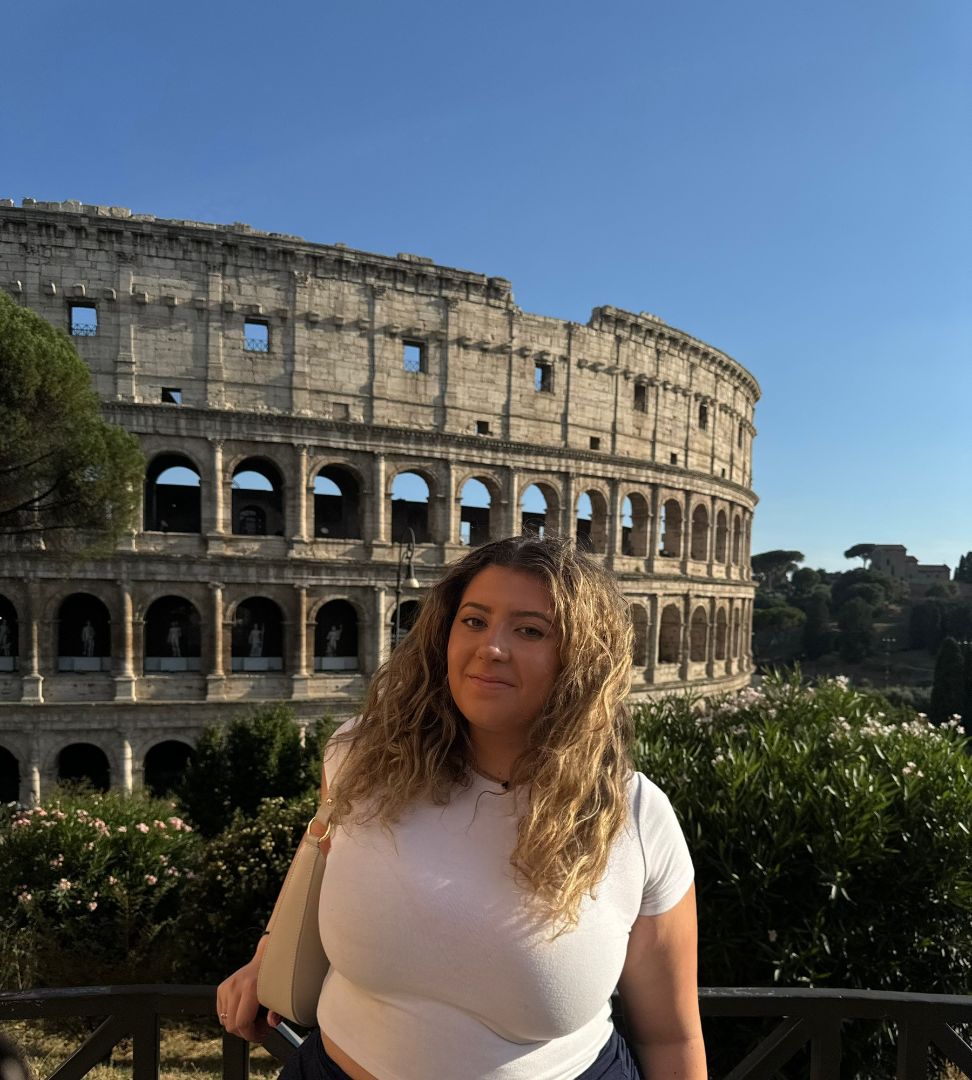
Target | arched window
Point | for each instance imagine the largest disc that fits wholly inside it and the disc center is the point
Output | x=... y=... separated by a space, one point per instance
x=257 y=499
x=165 y=765
x=639 y=645
x=337 y=504
x=172 y=637
x=172 y=495
x=721 y=537
x=83 y=634
x=410 y=508
x=9 y=636
x=698 y=635
x=534 y=512
x=591 y=522
x=634 y=525
x=671 y=530
x=700 y=533
x=736 y=539
x=474 y=506
x=722 y=628
x=336 y=637
x=403 y=620
x=9 y=777
x=83 y=763
x=670 y=635
x=258 y=636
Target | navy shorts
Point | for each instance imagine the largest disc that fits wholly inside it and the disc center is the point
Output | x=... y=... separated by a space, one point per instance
x=311 y=1062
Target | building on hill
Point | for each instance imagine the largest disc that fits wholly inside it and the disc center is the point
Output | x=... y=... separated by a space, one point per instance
x=305 y=409
x=894 y=560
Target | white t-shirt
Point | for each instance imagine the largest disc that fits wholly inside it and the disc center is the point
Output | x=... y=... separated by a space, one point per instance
x=438 y=967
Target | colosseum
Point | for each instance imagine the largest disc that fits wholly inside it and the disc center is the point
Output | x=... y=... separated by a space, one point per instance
x=324 y=429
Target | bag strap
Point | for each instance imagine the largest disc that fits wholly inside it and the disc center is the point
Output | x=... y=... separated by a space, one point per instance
x=322 y=817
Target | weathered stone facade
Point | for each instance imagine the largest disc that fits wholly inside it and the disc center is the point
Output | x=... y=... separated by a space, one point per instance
x=278 y=388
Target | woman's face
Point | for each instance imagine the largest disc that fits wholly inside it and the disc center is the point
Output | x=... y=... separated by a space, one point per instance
x=503 y=654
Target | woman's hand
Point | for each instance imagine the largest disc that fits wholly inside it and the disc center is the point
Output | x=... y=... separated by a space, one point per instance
x=237 y=1006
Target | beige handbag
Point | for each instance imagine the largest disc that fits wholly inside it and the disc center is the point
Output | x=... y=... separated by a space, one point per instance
x=293 y=966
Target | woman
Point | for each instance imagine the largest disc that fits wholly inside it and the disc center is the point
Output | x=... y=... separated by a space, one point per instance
x=499 y=868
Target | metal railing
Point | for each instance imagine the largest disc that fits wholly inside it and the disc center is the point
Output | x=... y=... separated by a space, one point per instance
x=808 y=1018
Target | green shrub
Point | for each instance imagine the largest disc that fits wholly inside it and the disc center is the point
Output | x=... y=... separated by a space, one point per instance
x=234 y=884
x=254 y=757
x=830 y=834
x=90 y=886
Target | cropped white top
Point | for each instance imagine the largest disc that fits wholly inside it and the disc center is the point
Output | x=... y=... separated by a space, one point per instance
x=439 y=968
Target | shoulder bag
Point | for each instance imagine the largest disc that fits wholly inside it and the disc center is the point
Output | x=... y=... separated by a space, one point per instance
x=293 y=966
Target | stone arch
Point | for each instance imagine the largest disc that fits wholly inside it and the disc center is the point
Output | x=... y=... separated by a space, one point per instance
x=336 y=637
x=9 y=636
x=639 y=643
x=736 y=539
x=337 y=503
x=590 y=521
x=635 y=518
x=698 y=635
x=670 y=635
x=173 y=494
x=671 y=529
x=476 y=496
x=9 y=776
x=405 y=620
x=83 y=634
x=700 y=533
x=173 y=639
x=411 y=492
x=736 y=623
x=258 y=498
x=165 y=764
x=721 y=633
x=721 y=537
x=258 y=635
x=83 y=762
x=539 y=508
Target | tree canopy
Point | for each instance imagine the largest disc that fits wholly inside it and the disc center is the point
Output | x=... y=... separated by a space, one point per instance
x=860 y=551
x=66 y=475
x=771 y=567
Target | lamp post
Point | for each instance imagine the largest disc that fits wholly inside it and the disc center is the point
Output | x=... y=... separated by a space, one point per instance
x=406 y=552
x=888 y=643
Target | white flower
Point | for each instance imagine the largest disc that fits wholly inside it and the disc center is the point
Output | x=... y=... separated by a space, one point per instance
x=771 y=934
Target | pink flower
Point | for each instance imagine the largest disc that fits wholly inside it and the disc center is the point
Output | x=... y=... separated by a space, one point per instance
x=159 y=824
x=92 y=904
x=122 y=828
x=25 y=897
x=63 y=885
x=150 y=879
x=142 y=827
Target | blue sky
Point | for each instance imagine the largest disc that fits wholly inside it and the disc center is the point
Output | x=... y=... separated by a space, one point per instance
x=787 y=181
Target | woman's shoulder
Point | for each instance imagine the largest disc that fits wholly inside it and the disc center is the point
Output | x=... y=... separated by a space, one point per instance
x=337 y=748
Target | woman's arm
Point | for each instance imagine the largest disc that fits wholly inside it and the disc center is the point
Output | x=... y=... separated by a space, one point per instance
x=660 y=995
x=236 y=996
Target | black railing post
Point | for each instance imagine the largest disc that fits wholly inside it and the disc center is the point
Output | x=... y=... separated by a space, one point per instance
x=236 y=1058
x=913 y=1039
x=825 y=1051
x=146 y=1045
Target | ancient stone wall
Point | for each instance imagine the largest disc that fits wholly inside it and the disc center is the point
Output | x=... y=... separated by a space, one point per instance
x=286 y=385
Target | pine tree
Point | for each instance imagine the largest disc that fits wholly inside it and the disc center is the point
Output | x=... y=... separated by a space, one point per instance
x=948 y=689
x=964 y=570
x=818 y=638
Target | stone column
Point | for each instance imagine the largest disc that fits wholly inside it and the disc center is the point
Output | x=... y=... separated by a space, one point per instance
x=216 y=511
x=683 y=667
x=654 y=607
x=568 y=512
x=613 y=538
x=376 y=531
x=710 y=660
x=654 y=523
x=508 y=509
x=126 y=765
x=33 y=792
x=447 y=519
x=215 y=390
x=215 y=679
x=378 y=636
x=125 y=672
x=32 y=684
x=299 y=502
x=300 y=680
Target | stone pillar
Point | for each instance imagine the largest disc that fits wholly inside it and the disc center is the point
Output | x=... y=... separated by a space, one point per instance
x=654 y=523
x=683 y=667
x=446 y=520
x=568 y=512
x=32 y=684
x=215 y=390
x=125 y=359
x=215 y=679
x=377 y=531
x=299 y=500
x=125 y=672
x=508 y=509
x=217 y=501
x=300 y=680
x=378 y=637
x=710 y=660
x=126 y=765
x=613 y=538
x=33 y=793
x=654 y=608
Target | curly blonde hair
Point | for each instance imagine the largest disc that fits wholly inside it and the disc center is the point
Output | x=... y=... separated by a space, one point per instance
x=412 y=742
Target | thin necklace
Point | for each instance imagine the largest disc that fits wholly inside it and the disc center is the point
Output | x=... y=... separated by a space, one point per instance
x=489 y=776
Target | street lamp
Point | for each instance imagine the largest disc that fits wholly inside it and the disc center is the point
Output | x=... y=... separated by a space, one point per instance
x=406 y=552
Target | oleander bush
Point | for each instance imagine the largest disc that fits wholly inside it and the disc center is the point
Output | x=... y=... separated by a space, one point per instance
x=89 y=889
x=830 y=833
x=233 y=884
